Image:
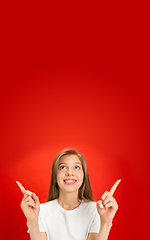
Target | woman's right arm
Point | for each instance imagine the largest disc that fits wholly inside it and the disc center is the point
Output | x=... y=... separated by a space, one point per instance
x=30 y=206
x=34 y=232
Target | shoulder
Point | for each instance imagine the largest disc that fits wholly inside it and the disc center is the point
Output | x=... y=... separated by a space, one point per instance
x=48 y=205
x=89 y=206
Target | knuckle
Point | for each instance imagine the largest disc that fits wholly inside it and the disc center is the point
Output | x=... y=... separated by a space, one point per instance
x=28 y=192
x=21 y=205
x=104 y=194
x=35 y=196
x=113 y=199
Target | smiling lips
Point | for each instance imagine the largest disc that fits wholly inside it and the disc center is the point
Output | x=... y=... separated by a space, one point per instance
x=70 y=181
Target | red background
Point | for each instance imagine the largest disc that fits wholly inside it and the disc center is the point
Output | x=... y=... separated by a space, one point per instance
x=76 y=75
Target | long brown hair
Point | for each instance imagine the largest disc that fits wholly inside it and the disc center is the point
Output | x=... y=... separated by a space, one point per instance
x=85 y=191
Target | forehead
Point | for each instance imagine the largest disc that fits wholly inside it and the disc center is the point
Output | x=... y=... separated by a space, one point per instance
x=70 y=159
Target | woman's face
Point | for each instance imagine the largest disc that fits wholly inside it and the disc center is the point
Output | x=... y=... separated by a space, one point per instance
x=70 y=174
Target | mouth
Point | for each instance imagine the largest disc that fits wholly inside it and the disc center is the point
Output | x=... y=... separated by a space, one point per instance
x=70 y=181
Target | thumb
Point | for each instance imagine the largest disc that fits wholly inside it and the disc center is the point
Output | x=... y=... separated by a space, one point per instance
x=100 y=205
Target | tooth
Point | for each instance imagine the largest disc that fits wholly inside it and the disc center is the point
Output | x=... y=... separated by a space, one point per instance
x=69 y=181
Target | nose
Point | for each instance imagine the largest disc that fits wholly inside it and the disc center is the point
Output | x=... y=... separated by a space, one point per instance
x=69 y=172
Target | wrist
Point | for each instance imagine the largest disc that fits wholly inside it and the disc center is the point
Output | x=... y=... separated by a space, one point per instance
x=104 y=231
x=106 y=225
x=32 y=223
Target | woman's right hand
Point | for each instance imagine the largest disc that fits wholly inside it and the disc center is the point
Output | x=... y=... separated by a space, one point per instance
x=30 y=204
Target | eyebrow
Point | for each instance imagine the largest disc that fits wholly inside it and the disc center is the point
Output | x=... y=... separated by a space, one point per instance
x=73 y=163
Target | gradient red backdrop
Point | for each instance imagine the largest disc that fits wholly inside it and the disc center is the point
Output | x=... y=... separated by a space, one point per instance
x=75 y=75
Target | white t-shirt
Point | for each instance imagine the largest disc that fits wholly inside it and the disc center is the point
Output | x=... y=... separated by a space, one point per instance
x=75 y=224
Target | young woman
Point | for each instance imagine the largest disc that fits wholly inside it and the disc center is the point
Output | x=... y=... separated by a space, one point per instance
x=70 y=213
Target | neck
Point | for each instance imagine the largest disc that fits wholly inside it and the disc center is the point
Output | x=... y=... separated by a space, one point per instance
x=69 y=201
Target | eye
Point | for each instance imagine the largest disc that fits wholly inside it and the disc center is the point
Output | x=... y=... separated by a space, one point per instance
x=62 y=167
x=77 y=167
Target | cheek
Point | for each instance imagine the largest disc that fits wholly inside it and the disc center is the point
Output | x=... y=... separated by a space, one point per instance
x=58 y=177
x=60 y=174
x=81 y=175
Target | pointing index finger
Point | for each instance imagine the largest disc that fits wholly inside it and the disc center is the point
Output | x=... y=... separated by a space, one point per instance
x=21 y=187
x=112 y=190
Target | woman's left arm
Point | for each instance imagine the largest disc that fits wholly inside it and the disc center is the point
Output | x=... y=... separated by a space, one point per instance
x=106 y=208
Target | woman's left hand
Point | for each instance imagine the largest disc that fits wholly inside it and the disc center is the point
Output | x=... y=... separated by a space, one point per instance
x=108 y=206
